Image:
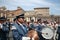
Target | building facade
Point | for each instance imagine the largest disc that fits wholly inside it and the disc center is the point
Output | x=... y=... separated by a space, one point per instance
x=42 y=12
x=10 y=14
x=37 y=13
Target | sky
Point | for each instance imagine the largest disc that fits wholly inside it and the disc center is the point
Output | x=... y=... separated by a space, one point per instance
x=54 y=5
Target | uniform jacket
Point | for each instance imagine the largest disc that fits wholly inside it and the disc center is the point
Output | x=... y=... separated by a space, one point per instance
x=18 y=31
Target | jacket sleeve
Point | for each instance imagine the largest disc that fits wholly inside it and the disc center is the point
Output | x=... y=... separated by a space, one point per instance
x=16 y=35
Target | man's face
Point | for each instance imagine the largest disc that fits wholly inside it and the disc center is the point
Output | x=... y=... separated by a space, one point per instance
x=21 y=20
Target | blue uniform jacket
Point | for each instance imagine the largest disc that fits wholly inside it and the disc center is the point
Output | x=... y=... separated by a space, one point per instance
x=32 y=26
x=5 y=28
x=3 y=32
x=19 y=32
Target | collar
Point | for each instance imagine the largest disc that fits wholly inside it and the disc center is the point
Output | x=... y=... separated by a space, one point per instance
x=19 y=23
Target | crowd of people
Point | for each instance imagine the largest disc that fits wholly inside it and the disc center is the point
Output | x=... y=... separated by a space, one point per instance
x=21 y=28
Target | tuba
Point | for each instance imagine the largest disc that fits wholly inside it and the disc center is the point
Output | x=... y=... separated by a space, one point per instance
x=47 y=32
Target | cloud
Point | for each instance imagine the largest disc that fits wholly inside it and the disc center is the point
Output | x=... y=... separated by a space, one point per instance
x=42 y=2
x=30 y=4
x=57 y=9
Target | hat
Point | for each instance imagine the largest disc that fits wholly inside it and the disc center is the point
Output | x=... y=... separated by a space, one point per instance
x=20 y=16
x=2 y=18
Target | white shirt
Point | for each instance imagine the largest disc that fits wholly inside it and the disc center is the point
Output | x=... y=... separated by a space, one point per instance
x=1 y=25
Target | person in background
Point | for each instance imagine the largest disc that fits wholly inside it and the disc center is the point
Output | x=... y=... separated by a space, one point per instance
x=3 y=29
x=39 y=28
x=31 y=25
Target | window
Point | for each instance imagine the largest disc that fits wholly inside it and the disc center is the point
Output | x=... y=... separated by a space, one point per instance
x=39 y=14
x=1 y=14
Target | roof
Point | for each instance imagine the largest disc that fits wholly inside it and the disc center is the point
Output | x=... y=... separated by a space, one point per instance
x=42 y=8
x=29 y=12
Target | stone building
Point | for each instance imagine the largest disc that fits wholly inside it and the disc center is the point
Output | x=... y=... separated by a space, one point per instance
x=2 y=11
x=41 y=12
x=10 y=14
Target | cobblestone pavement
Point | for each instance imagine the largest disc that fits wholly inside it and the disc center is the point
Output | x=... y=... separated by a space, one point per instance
x=10 y=36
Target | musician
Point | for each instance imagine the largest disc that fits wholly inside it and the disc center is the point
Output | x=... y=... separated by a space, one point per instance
x=18 y=29
x=8 y=25
x=55 y=29
x=3 y=29
x=31 y=25
x=39 y=28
